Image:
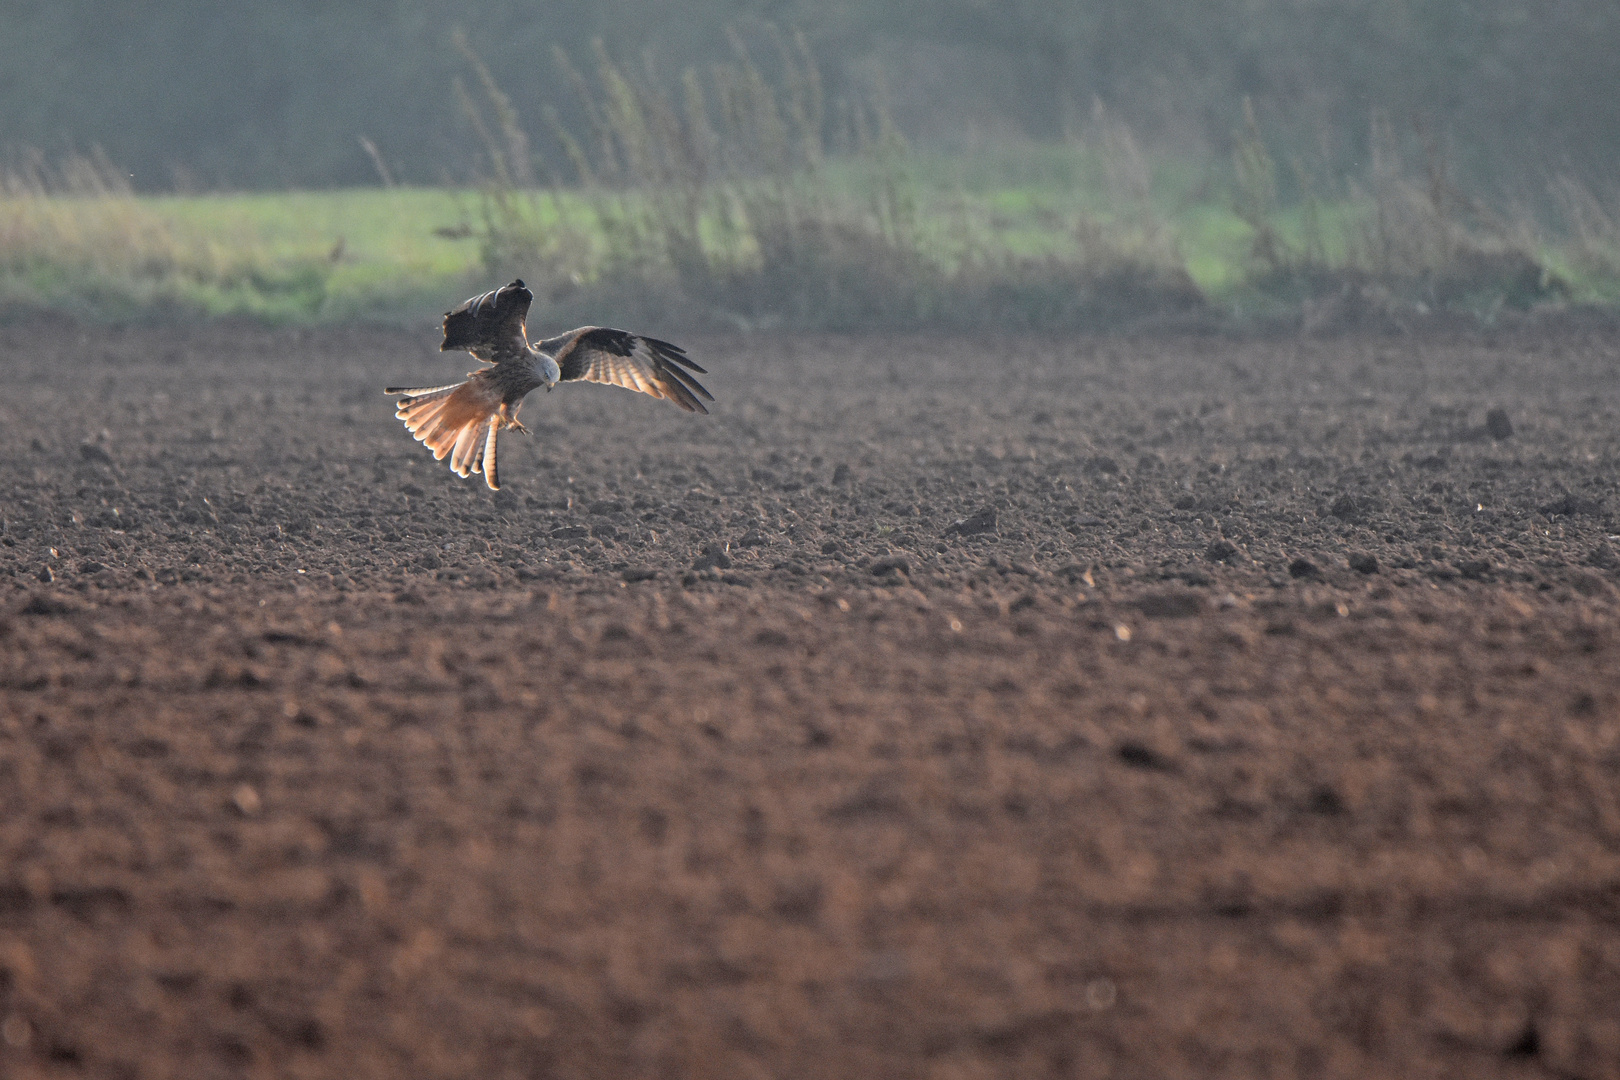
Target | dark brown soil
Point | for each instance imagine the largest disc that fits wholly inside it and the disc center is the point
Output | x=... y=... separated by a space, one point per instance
x=1161 y=708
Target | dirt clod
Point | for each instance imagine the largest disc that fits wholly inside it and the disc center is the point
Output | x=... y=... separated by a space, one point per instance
x=1497 y=424
x=1139 y=756
x=714 y=556
x=1351 y=507
x=1179 y=604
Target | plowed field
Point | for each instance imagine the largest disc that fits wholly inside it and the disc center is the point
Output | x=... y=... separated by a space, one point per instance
x=1174 y=707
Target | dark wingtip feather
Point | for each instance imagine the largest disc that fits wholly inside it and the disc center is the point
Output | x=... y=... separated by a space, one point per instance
x=673 y=352
x=686 y=382
x=677 y=386
x=664 y=346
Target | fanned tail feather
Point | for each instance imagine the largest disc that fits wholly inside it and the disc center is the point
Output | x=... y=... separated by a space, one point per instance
x=459 y=421
x=468 y=448
x=490 y=476
x=416 y=393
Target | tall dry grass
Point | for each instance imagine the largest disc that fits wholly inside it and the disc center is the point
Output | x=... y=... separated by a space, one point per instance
x=738 y=198
x=1403 y=238
x=742 y=197
x=1593 y=227
x=75 y=237
x=79 y=218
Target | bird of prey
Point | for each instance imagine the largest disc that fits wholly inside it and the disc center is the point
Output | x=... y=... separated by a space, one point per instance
x=462 y=419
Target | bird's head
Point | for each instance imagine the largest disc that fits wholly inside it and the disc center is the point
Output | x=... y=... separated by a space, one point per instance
x=549 y=370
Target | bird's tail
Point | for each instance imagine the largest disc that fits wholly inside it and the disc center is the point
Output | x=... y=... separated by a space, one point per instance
x=460 y=420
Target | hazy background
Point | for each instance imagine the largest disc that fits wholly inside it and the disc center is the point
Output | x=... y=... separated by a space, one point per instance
x=197 y=95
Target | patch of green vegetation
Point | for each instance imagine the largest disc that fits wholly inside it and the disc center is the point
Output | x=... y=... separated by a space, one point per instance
x=78 y=242
x=370 y=246
x=1076 y=235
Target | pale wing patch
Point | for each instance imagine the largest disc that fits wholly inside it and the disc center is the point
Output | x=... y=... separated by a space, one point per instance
x=642 y=371
x=633 y=372
x=614 y=371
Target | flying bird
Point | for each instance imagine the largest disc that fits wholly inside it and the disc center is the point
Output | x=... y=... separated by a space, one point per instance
x=462 y=419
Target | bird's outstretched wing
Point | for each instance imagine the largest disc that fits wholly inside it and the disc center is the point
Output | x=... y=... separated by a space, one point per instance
x=620 y=358
x=490 y=326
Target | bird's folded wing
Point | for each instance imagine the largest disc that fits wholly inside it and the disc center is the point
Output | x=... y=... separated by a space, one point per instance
x=619 y=358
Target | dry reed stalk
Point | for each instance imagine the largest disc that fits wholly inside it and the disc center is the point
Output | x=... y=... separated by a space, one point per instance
x=714 y=200
x=1593 y=224
x=74 y=236
x=82 y=214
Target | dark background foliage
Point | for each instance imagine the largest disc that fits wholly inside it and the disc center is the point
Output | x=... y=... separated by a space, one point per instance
x=277 y=93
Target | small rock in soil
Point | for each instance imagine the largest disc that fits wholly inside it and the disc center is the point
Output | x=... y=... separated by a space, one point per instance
x=1303 y=568
x=1527 y=1045
x=1138 y=756
x=1325 y=801
x=982 y=522
x=1351 y=507
x=1107 y=466
x=1497 y=424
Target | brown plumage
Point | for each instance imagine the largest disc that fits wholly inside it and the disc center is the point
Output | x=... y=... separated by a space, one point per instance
x=618 y=358
x=462 y=420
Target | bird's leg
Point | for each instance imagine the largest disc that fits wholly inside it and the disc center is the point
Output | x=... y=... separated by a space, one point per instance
x=509 y=417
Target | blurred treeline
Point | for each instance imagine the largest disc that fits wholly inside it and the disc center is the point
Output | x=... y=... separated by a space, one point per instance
x=187 y=94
